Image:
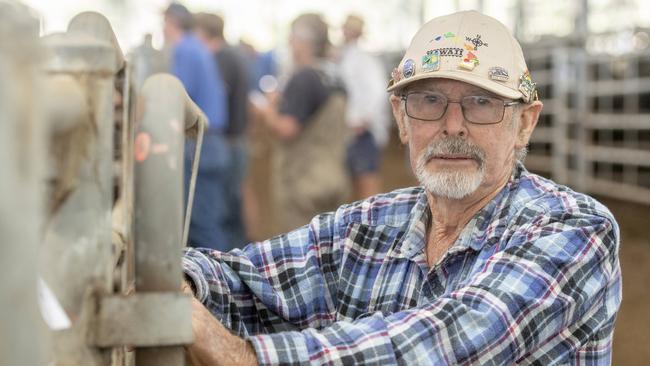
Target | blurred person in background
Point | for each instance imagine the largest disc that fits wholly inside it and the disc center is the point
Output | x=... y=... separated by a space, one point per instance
x=260 y=64
x=484 y=263
x=232 y=64
x=367 y=112
x=308 y=173
x=194 y=65
x=147 y=61
x=262 y=68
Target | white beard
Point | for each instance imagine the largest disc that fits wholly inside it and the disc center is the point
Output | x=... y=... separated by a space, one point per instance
x=452 y=184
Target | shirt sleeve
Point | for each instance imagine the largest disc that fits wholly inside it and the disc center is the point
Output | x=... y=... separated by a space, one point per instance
x=365 y=85
x=304 y=94
x=235 y=76
x=288 y=282
x=218 y=110
x=183 y=67
x=203 y=82
x=556 y=280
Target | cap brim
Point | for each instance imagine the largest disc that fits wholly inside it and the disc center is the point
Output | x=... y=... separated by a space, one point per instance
x=460 y=75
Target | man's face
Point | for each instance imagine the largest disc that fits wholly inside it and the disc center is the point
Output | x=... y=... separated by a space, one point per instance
x=350 y=34
x=171 y=30
x=296 y=43
x=454 y=158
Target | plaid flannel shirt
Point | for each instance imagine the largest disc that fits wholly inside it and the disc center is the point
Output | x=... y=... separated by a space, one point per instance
x=534 y=278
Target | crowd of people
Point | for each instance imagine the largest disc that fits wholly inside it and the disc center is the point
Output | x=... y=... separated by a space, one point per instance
x=328 y=122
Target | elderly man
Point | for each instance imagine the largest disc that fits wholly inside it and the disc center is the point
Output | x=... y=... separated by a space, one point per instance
x=485 y=263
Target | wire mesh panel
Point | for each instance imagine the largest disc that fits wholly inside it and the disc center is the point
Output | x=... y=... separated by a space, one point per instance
x=617 y=126
x=594 y=131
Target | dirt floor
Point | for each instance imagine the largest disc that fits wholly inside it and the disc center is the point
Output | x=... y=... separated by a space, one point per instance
x=632 y=336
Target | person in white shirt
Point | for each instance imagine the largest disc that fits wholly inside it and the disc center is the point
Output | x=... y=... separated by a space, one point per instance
x=367 y=110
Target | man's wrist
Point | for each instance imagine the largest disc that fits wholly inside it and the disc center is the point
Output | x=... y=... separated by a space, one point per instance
x=189 y=283
x=192 y=274
x=214 y=344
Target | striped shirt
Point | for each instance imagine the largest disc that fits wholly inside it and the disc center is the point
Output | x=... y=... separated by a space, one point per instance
x=534 y=278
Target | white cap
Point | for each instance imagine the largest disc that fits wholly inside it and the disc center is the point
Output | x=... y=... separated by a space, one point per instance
x=471 y=47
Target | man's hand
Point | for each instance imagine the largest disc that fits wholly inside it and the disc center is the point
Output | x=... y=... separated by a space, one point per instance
x=213 y=344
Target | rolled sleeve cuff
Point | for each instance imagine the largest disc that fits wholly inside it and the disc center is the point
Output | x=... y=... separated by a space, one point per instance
x=193 y=272
x=281 y=348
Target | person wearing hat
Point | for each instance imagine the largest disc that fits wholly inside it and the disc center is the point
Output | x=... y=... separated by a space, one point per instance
x=367 y=110
x=483 y=263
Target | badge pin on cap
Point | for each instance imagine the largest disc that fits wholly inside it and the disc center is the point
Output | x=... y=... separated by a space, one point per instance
x=409 y=68
x=396 y=75
x=469 y=62
x=431 y=61
x=527 y=86
x=498 y=73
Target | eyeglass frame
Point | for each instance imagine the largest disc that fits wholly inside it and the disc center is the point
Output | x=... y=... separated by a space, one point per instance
x=403 y=97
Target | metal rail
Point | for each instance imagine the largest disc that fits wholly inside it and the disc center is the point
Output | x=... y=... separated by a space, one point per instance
x=21 y=200
x=77 y=259
x=595 y=136
x=114 y=219
x=166 y=112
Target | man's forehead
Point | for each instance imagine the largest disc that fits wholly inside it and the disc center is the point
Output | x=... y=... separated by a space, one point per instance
x=446 y=85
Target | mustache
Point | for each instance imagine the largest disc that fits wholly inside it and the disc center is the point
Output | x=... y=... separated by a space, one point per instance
x=453 y=145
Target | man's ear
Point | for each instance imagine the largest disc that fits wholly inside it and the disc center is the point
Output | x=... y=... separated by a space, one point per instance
x=400 y=117
x=527 y=122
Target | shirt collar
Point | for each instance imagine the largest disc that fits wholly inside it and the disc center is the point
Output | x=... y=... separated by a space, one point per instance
x=475 y=234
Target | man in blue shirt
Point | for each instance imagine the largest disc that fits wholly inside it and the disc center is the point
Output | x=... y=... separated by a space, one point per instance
x=484 y=263
x=209 y=28
x=192 y=63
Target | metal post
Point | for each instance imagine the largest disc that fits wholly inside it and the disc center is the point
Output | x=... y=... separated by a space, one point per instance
x=21 y=199
x=520 y=19
x=165 y=111
x=77 y=257
x=560 y=129
x=584 y=168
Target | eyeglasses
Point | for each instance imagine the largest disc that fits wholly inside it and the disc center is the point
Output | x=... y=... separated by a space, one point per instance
x=482 y=110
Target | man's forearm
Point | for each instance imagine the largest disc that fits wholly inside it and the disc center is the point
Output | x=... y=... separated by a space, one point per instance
x=213 y=344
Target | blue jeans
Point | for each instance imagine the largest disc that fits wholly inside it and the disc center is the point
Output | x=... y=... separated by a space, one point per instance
x=208 y=225
x=235 y=180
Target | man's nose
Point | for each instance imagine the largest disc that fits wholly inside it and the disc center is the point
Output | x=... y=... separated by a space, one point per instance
x=454 y=123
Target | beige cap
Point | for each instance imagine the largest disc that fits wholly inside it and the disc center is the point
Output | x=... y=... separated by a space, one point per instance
x=470 y=47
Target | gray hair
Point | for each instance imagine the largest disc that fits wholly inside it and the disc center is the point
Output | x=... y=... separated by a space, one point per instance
x=312 y=28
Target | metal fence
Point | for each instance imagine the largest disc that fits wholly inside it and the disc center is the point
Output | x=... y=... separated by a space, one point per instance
x=594 y=131
x=21 y=200
x=84 y=170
